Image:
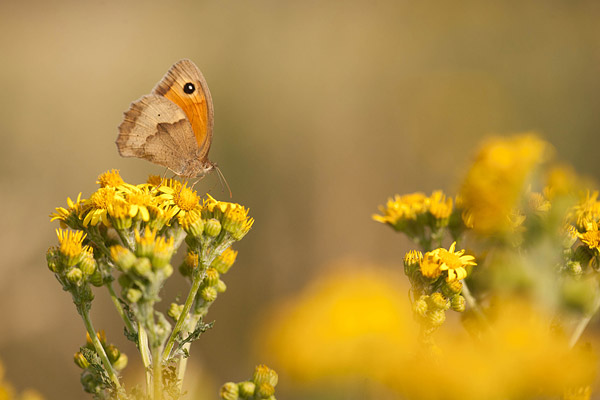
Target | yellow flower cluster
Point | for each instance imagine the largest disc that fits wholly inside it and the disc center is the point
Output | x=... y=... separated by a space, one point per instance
x=154 y=204
x=402 y=210
x=492 y=188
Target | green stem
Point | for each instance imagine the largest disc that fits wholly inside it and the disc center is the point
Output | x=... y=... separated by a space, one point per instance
x=143 y=348
x=99 y=349
x=156 y=374
x=583 y=323
x=198 y=278
x=473 y=303
x=115 y=300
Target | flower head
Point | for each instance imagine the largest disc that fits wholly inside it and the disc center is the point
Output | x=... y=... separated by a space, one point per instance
x=435 y=262
x=110 y=178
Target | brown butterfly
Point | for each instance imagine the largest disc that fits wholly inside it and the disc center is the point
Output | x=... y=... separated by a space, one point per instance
x=173 y=125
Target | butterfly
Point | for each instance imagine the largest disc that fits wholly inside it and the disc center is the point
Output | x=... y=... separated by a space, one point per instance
x=173 y=125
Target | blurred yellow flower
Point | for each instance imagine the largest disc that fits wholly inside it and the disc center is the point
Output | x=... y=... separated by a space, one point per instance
x=110 y=178
x=496 y=181
x=351 y=322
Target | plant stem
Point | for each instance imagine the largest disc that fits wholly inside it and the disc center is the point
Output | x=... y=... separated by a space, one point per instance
x=115 y=300
x=198 y=278
x=583 y=323
x=143 y=348
x=99 y=349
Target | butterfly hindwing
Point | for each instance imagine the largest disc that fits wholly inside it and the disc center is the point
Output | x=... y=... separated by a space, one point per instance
x=156 y=129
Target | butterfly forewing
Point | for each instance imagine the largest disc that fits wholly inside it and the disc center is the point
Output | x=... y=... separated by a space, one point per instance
x=185 y=86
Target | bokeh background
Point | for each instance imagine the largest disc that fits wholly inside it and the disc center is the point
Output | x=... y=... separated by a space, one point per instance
x=322 y=111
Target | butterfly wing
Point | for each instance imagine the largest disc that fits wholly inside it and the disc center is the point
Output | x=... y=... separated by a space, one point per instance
x=156 y=129
x=185 y=86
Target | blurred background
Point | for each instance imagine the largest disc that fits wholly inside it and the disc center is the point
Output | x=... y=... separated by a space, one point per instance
x=322 y=111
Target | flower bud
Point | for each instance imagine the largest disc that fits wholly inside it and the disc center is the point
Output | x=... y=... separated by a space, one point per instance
x=163 y=251
x=229 y=391
x=211 y=278
x=125 y=281
x=574 y=268
x=439 y=302
x=74 y=275
x=142 y=266
x=221 y=286
x=175 y=311
x=80 y=360
x=167 y=270
x=458 y=303
x=451 y=288
x=121 y=362
x=246 y=389
x=223 y=262
x=420 y=306
x=97 y=279
x=145 y=242
x=265 y=390
x=212 y=227
x=436 y=317
x=87 y=263
x=209 y=294
x=133 y=295
x=112 y=352
x=53 y=259
x=192 y=224
x=189 y=264
x=123 y=257
x=264 y=374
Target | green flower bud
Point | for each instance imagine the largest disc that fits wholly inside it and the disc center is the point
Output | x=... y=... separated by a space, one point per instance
x=123 y=257
x=458 y=303
x=412 y=262
x=452 y=288
x=439 y=302
x=229 y=391
x=167 y=270
x=97 y=279
x=90 y=384
x=133 y=295
x=52 y=258
x=264 y=374
x=80 y=360
x=212 y=227
x=175 y=311
x=121 y=362
x=246 y=389
x=142 y=266
x=437 y=317
x=265 y=390
x=190 y=263
x=574 y=268
x=583 y=254
x=163 y=251
x=192 y=224
x=74 y=275
x=221 y=286
x=209 y=294
x=420 y=306
x=112 y=352
x=87 y=263
x=211 y=278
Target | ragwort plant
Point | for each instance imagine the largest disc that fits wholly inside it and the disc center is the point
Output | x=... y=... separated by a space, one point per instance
x=123 y=238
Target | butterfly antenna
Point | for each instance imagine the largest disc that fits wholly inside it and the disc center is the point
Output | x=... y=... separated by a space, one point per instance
x=222 y=179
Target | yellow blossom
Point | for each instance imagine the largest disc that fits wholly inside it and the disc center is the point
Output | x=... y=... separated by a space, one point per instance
x=497 y=178
x=405 y=207
x=538 y=203
x=71 y=244
x=183 y=198
x=454 y=262
x=430 y=266
x=591 y=237
x=110 y=178
x=234 y=217
x=98 y=205
x=586 y=211
x=139 y=200
x=145 y=242
x=74 y=210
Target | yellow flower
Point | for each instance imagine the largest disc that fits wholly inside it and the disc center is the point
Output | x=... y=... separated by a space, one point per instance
x=538 y=203
x=145 y=242
x=184 y=199
x=110 y=178
x=405 y=207
x=62 y=214
x=351 y=322
x=98 y=205
x=71 y=244
x=591 y=237
x=454 y=262
x=496 y=180
x=223 y=262
x=430 y=266
x=233 y=217
x=139 y=200
x=440 y=206
x=587 y=211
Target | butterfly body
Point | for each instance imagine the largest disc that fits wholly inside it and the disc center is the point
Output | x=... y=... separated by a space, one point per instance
x=173 y=125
